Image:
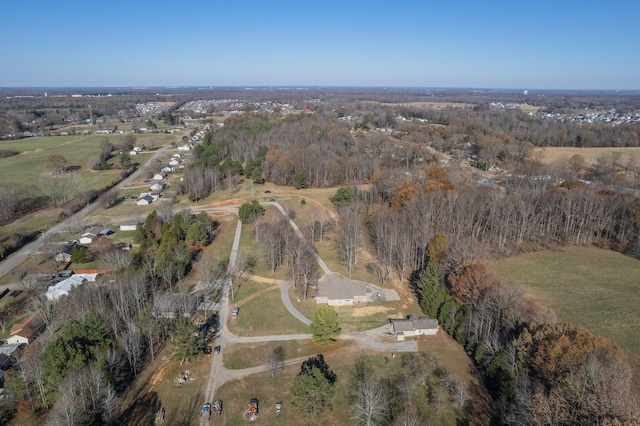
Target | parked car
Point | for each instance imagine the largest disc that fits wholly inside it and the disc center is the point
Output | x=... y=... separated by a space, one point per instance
x=217 y=350
x=234 y=311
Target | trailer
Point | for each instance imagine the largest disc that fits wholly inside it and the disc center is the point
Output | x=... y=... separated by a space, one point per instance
x=217 y=408
x=252 y=409
x=278 y=408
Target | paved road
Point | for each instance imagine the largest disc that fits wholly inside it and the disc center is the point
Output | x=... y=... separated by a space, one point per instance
x=284 y=295
x=12 y=261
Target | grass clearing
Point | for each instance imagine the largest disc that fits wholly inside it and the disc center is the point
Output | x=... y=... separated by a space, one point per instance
x=246 y=355
x=549 y=155
x=251 y=248
x=596 y=288
x=263 y=313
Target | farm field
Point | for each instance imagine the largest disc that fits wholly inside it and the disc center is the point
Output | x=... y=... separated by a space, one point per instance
x=28 y=167
x=596 y=288
x=548 y=155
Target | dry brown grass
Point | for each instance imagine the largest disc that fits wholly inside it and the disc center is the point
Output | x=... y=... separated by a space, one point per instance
x=431 y=105
x=550 y=155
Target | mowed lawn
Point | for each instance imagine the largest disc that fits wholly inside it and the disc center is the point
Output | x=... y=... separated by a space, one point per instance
x=596 y=288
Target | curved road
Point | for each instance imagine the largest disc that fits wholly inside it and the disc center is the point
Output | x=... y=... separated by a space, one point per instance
x=219 y=375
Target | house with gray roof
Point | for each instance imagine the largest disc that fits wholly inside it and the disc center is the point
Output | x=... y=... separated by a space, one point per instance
x=413 y=326
x=336 y=290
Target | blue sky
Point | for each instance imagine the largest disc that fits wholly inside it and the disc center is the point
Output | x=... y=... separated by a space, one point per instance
x=514 y=44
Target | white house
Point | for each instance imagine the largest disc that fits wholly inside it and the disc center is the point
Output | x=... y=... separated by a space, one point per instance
x=144 y=200
x=159 y=176
x=157 y=186
x=167 y=169
x=187 y=147
x=25 y=331
x=133 y=153
x=174 y=162
x=87 y=238
x=413 y=326
x=64 y=287
x=336 y=290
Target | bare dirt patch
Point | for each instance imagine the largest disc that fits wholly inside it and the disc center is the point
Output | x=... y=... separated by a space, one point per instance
x=158 y=375
x=363 y=311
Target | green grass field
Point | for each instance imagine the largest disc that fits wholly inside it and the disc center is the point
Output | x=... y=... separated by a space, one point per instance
x=596 y=288
x=248 y=355
x=262 y=312
x=31 y=164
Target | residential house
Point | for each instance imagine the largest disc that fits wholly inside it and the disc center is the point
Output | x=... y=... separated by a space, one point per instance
x=156 y=186
x=25 y=331
x=87 y=238
x=145 y=200
x=63 y=288
x=168 y=169
x=159 y=176
x=64 y=255
x=173 y=305
x=9 y=349
x=174 y=162
x=336 y=290
x=413 y=326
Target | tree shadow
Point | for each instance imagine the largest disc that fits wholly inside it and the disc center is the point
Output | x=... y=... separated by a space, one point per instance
x=142 y=411
x=188 y=413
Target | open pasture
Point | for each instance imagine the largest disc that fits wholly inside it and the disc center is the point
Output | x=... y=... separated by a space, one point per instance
x=31 y=166
x=596 y=288
x=548 y=155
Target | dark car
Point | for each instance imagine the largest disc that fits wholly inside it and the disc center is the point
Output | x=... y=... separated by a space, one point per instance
x=267 y=192
x=217 y=350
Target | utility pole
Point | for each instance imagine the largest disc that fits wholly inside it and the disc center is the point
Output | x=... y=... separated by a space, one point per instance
x=91 y=118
